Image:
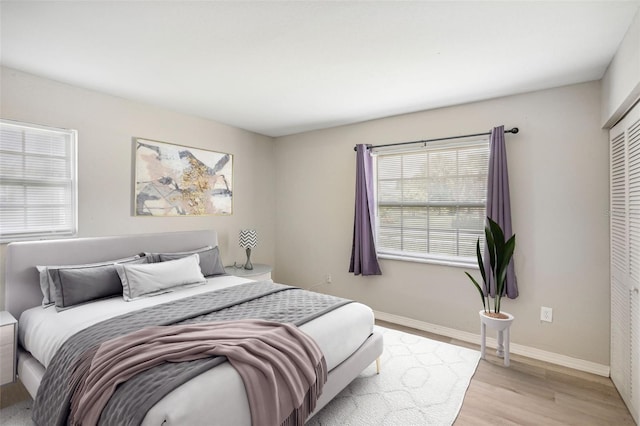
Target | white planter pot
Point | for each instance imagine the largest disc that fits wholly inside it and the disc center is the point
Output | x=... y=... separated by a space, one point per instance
x=496 y=323
x=502 y=326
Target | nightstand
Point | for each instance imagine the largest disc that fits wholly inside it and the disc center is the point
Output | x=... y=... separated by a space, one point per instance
x=260 y=272
x=8 y=347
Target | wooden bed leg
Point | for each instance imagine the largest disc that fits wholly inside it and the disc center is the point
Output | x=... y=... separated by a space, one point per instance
x=378 y=365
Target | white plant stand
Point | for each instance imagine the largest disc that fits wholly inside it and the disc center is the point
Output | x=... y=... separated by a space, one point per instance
x=502 y=326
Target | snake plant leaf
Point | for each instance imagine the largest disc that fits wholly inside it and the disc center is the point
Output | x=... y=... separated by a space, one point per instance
x=498 y=240
x=479 y=289
x=501 y=274
x=509 y=248
x=491 y=247
x=496 y=231
x=481 y=266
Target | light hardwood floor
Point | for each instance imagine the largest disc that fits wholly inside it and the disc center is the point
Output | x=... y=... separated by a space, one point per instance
x=12 y=393
x=531 y=392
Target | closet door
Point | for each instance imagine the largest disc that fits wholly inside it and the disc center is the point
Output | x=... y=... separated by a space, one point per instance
x=625 y=259
x=633 y=147
x=620 y=312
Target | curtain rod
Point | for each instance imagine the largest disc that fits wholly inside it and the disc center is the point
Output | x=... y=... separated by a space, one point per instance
x=514 y=131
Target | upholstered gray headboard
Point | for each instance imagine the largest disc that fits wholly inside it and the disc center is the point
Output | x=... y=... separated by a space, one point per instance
x=22 y=281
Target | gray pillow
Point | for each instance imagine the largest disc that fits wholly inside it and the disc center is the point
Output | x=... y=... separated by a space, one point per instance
x=210 y=262
x=155 y=278
x=74 y=286
x=60 y=285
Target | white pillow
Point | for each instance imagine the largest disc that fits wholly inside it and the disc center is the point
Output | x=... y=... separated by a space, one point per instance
x=155 y=278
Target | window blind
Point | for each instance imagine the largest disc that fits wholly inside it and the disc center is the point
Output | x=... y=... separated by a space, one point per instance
x=431 y=202
x=37 y=181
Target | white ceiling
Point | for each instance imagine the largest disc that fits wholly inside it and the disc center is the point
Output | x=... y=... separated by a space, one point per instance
x=278 y=68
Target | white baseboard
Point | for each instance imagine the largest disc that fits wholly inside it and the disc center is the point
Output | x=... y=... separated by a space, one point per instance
x=539 y=354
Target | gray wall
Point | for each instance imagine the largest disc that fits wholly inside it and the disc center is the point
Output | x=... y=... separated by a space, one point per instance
x=558 y=167
x=106 y=126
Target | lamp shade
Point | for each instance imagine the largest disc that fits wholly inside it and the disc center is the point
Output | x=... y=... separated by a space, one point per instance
x=248 y=238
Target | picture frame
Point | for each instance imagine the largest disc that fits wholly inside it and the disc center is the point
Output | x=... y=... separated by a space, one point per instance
x=178 y=180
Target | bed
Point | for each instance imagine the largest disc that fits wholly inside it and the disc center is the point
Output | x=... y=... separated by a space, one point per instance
x=217 y=396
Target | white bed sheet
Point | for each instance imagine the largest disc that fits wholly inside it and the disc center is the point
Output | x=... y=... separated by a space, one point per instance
x=216 y=397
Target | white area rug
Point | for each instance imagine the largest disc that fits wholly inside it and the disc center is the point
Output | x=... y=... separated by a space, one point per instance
x=16 y=415
x=422 y=382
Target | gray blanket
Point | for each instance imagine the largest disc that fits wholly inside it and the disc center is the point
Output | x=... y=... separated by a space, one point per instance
x=131 y=401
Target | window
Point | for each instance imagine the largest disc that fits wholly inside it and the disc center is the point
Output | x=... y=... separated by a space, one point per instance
x=431 y=201
x=38 y=189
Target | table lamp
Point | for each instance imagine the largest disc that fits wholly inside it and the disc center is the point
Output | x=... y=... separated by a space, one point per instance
x=248 y=240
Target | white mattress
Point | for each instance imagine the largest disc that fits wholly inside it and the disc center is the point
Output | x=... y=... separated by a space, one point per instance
x=338 y=333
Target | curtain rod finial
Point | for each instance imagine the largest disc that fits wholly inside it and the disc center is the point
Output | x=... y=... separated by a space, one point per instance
x=514 y=130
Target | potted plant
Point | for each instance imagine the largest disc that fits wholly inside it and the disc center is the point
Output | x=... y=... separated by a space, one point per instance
x=500 y=254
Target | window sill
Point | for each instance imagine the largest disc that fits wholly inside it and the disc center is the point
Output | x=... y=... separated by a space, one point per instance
x=434 y=261
x=39 y=237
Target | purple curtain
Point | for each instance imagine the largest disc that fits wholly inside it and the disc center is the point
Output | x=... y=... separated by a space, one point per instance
x=364 y=259
x=499 y=202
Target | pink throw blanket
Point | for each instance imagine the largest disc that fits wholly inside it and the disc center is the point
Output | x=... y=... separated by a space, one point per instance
x=282 y=368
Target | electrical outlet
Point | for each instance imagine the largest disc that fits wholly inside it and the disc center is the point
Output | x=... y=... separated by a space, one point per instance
x=327 y=279
x=546 y=314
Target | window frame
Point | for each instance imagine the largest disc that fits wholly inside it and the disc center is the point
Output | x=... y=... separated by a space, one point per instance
x=71 y=188
x=431 y=258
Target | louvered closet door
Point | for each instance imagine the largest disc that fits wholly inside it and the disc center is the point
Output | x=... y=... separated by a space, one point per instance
x=620 y=353
x=633 y=147
x=625 y=259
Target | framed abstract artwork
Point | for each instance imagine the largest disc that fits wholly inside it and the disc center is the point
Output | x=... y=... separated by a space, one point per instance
x=176 y=180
